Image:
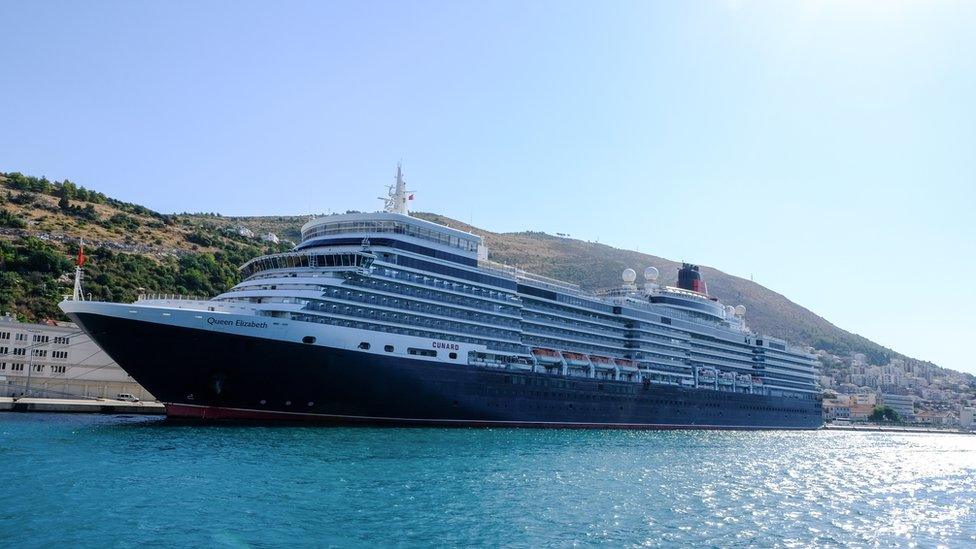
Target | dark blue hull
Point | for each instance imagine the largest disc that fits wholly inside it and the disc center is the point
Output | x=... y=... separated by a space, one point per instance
x=206 y=374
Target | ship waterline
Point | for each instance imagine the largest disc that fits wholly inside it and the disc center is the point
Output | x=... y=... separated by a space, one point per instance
x=384 y=318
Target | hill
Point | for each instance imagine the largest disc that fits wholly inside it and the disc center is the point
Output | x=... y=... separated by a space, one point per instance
x=134 y=249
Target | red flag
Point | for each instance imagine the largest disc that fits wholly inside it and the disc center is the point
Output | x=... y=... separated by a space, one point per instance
x=81 y=254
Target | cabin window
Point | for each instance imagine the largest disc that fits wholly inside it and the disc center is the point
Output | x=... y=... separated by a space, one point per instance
x=364 y=345
x=421 y=352
x=308 y=339
x=453 y=356
x=388 y=348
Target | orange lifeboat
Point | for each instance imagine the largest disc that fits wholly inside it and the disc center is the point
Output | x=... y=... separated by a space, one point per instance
x=576 y=359
x=626 y=364
x=546 y=356
x=604 y=362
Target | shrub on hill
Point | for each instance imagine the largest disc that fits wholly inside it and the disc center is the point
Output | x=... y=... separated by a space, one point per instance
x=9 y=220
x=35 y=275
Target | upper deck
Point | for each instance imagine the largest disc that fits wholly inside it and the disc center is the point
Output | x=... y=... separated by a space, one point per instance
x=323 y=230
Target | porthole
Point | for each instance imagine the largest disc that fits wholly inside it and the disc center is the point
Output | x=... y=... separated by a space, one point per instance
x=287 y=403
x=388 y=348
x=364 y=345
x=308 y=339
x=263 y=402
x=453 y=356
x=310 y=403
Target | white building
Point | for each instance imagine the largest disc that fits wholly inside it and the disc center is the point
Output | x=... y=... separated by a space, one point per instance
x=270 y=237
x=58 y=360
x=244 y=231
x=967 y=417
x=903 y=404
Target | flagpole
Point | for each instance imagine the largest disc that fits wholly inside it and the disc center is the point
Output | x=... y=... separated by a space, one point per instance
x=76 y=294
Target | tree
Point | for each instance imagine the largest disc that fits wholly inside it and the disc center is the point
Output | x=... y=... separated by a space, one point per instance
x=884 y=413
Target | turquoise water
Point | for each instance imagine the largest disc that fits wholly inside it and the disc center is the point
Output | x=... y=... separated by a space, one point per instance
x=125 y=482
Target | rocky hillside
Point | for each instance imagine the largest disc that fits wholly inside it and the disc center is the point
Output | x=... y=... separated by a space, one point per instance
x=135 y=249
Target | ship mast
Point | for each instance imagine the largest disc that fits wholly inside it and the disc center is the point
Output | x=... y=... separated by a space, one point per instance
x=396 y=201
x=76 y=294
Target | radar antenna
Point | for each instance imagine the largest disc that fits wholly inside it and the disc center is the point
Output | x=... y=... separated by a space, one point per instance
x=398 y=196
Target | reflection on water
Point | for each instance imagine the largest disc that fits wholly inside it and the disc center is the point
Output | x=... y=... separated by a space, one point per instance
x=85 y=479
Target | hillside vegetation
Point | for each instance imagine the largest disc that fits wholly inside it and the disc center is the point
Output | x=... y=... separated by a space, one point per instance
x=133 y=249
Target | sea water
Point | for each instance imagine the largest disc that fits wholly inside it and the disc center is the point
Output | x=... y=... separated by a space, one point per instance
x=115 y=481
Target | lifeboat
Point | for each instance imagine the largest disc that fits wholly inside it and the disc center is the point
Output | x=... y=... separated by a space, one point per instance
x=626 y=364
x=726 y=378
x=602 y=362
x=546 y=356
x=575 y=359
x=706 y=375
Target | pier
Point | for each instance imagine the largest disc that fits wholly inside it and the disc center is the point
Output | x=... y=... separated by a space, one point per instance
x=93 y=406
x=866 y=427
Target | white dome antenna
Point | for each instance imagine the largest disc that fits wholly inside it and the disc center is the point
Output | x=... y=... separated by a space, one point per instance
x=651 y=274
x=629 y=276
x=740 y=310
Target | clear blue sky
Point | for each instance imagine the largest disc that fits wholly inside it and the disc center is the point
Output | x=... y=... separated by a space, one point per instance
x=827 y=148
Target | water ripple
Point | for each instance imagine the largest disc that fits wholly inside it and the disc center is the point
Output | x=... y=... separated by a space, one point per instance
x=126 y=482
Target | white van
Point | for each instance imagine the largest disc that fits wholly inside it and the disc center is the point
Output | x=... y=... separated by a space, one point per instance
x=126 y=397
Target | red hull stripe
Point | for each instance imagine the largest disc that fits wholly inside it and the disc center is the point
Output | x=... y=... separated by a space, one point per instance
x=214 y=412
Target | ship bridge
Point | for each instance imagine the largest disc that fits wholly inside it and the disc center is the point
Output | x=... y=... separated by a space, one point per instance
x=394 y=228
x=351 y=229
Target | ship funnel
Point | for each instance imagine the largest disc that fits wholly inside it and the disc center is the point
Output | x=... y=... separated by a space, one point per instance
x=689 y=278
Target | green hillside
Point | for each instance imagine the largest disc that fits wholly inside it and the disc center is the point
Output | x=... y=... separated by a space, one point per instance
x=133 y=249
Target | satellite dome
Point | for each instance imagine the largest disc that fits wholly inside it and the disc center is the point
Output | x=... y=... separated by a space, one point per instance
x=730 y=310
x=629 y=276
x=651 y=274
x=740 y=310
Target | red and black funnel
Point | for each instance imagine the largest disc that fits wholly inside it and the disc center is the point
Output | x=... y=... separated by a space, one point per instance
x=689 y=278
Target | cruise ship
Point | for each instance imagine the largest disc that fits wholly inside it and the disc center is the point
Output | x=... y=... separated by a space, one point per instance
x=387 y=319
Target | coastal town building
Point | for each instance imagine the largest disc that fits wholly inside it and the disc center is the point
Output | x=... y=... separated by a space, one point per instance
x=967 y=417
x=58 y=360
x=836 y=409
x=919 y=391
x=903 y=404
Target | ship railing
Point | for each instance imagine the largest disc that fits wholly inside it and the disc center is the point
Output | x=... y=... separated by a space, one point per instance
x=519 y=273
x=172 y=297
